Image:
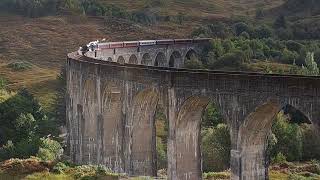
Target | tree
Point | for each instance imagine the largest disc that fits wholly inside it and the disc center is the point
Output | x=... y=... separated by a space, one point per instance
x=294 y=46
x=259 y=13
x=211 y=117
x=288 y=57
x=219 y=30
x=60 y=99
x=245 y=35
x=284 y=34
x=289 y=138
x=240 y=27
x=23 y=123
x=311 y=67
x=263 y=31
x=193 y=63
x=216 y=146
x=49 y=150
x=180 y=17
x=280 y=22
x=311 y=143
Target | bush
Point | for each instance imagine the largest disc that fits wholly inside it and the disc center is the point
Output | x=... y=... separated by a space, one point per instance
x=279 y=159
x=193 y=63
x=3 y=83
x=60 y=168
x=311 y=67
x=216 y=175
x=49 y=150
x=263 y=31
x=289 y=57
x=92 y=172
x=161 y=154
x=25 y=166
x=294 y=46
x=245 y=35
x=20 y=66
x=218 y=30
x=284 y=34
x=280 y=22
x=211 y=117
x=311 y=143
x=233 y=59
x=216 y=146
x=240 y=28
x=289 y=139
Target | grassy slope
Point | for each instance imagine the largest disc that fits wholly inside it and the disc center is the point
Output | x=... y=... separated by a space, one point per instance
x=201 y=8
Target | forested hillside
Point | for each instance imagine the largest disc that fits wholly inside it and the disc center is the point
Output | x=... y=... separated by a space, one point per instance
x=301 y=7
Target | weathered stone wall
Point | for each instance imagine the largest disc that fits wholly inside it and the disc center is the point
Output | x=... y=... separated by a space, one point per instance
x=111 y=107
x=176 y=51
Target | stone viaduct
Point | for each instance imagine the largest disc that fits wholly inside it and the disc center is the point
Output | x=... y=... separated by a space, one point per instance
x=111 y=111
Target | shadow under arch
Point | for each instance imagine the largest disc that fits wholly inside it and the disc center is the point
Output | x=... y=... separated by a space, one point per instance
x=141 y=145
x=253 y=138
x=191 y=53
x=160 y=60
x=133 y=59
x=176 y=60
x=121 y=60
x=109 y=59
x=146 y=59
x=187 y=138
x=296 y=115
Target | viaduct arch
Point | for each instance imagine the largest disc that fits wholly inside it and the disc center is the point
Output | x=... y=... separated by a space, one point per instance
x=171 y=54
x=111 y=107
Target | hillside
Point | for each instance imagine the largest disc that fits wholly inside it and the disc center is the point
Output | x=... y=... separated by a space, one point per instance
x=45 y=41
x=299 y=8
x=199 y=8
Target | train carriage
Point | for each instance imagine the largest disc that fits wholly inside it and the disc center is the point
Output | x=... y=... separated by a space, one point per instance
x=183 y=41
x=165 y=42
x=103 y=46
x=131 y=44
x=116 y=45
x=147 y=43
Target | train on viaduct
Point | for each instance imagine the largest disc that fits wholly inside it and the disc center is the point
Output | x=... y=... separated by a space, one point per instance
x=113 y=90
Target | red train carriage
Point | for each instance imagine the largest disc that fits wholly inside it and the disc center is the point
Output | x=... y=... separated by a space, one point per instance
x=116 y=45
x=131 y=44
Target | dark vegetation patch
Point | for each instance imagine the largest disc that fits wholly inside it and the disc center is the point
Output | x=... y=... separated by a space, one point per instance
x=20 y=66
